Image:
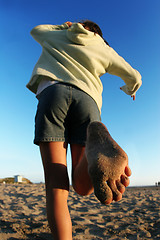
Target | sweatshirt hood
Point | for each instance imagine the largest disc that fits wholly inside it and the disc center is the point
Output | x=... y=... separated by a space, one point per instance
x=79 y=35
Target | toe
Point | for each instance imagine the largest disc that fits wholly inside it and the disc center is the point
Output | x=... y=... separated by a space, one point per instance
x=103 y=192
x=120 y=186
x=128 y=171
x=108 y=201
x=117 y=195
x=125 y=180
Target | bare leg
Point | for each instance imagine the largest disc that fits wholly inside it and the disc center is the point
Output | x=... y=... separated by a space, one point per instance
x=107 y=164
x=57 y=188
x=80 y=178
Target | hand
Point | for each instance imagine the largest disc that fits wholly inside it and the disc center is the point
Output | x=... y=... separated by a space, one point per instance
x=133 y=96
x=69 y=24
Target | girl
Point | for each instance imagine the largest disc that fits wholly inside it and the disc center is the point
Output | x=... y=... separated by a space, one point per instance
x=66 y=80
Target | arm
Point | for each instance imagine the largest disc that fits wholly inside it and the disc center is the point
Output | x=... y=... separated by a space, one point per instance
x=39 y=32
x=119 y=67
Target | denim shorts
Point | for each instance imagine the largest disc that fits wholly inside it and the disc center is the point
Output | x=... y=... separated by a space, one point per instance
x=63 y=114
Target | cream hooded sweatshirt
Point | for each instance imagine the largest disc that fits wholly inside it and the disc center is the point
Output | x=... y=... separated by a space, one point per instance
x=80 y=57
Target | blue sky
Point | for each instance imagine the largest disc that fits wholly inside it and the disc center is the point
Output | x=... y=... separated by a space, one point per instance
x=132 y=29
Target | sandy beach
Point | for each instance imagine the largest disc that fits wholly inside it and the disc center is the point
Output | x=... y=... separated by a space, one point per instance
x=136 y=216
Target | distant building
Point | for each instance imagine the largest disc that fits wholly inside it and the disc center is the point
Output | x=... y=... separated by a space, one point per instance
x=18 y=179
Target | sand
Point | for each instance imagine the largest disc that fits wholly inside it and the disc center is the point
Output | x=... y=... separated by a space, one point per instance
x=136 y=216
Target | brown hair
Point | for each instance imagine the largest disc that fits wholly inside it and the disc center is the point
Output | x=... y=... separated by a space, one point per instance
x=93 y=27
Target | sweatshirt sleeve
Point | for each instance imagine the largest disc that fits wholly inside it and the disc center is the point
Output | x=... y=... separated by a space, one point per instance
x=39 y=32
x=119 y=67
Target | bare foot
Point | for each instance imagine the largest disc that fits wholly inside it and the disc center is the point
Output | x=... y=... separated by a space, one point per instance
x=107 y=164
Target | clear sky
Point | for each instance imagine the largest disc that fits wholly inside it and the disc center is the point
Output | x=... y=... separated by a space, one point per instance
x=132 y=28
